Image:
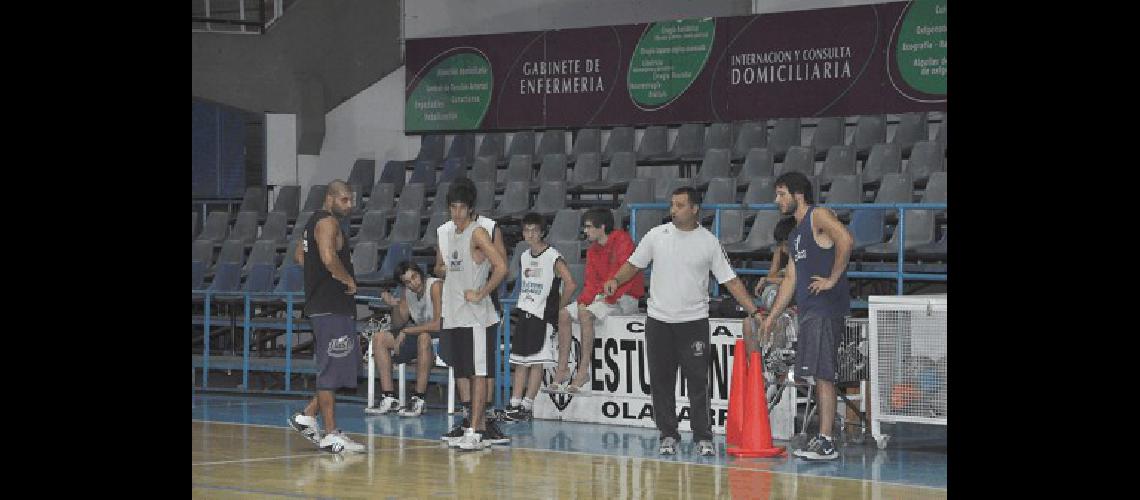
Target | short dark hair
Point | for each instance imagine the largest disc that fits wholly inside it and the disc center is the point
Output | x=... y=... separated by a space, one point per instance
x=694 y=196
x=465 y=181
x=796 y=183
x=461 y=192
x=403 y=267
x=532 y=218
x=783 y=229
x=600 y=217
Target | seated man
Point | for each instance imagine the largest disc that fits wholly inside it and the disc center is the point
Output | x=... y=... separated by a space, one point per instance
x=610 y=249
x=421 y=309
x=766 y=286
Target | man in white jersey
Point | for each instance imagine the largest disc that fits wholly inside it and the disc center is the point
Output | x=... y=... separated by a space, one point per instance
x=445 y=349
x=468 y=314
x=417 y=315
x=677 y=330
x=545 y=287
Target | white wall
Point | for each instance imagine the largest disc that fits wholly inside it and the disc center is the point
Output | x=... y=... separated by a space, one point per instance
x=435 y=18
x=766 y=6
x=369 y=125
x=280 y=150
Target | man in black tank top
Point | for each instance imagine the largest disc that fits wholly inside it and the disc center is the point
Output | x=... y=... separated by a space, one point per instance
x=818 y=248
x=329 y=290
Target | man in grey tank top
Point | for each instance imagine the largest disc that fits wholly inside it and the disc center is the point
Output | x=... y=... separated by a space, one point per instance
x=463 y=385
x=818 y=248
x=418 y=315
x=467 y=251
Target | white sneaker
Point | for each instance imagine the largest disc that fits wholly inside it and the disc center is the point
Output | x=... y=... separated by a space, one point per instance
x=337 y=442
x=472 y=440
x=706 y=448
x=387 y=404
x=414 y=409
x=307 y=426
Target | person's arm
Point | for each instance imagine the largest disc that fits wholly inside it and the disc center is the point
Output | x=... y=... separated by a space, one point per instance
x=623 y=249
x=637 y=261
x=736 y=288
x=327 y=231
x=722 y=271
x=594 y=279
x=777 y=264
x=623 y=275
x=299 y=252
x=568 y=283
x=843 y=243
x=390 y=299
x=440 y=269
x=436 y=322
x=498 y=241
x=783 y=297
x=405 y=314
x=483 y=243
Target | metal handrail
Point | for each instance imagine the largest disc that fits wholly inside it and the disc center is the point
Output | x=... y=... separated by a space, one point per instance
x=899 y=274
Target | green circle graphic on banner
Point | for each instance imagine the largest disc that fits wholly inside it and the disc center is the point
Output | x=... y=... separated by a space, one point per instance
x=453 y=95
x=668 y=58
x=921 y=48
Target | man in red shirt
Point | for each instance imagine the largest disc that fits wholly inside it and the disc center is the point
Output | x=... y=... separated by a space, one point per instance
x=609 y=249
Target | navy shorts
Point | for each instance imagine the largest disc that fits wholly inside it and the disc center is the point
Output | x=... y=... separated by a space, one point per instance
x=408 y=350
x=818 y=345
x=335 y=351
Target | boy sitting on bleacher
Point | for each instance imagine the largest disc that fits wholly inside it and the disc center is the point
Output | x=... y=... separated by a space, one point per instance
x=417 y=315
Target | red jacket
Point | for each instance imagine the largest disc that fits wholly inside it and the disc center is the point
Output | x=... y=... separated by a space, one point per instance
x=603 y=263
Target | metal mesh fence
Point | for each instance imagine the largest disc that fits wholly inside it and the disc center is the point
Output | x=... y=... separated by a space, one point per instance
x=911 y=351
x=853 y=349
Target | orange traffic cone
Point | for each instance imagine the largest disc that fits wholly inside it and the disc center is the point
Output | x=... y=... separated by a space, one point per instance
x=733 y=427
x=757 y=439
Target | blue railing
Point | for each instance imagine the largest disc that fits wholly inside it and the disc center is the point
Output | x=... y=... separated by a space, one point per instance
x=898 y=274
x=502 y=366
x=247 y=324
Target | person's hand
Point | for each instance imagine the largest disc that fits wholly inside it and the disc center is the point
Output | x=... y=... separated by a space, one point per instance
x=765 y=327
x=819 y=284
x=472 y=295
x=610 y=287
x=350 y=287
x=399 y=339
x=389 y=299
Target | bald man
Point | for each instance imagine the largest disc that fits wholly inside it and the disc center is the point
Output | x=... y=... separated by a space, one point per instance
x=329 y=288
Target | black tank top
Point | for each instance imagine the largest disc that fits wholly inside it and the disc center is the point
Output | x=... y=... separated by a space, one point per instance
x=812 y=260
x=323 y=293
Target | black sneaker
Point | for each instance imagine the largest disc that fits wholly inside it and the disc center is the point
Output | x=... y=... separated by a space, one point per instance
x=824 y=449
x=514 y=413
x=802 y=451
x=493 y=435
x=456 y=432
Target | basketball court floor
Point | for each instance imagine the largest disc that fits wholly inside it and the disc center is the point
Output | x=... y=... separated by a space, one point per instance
x=243 y=448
